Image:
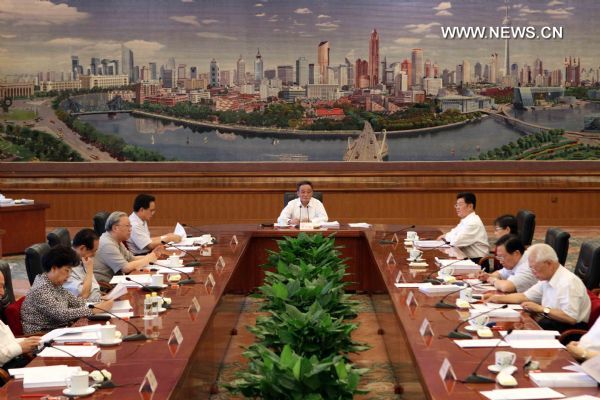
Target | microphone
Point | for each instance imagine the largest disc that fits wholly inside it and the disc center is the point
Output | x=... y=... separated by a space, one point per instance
x=129 y=338
x=187 y=281
x=455 y=334
x=437 y=281
x=147 y=288
x=388 y=241
x=474 y=378
x=194 y=263
x=105 y=384
x=214 y=239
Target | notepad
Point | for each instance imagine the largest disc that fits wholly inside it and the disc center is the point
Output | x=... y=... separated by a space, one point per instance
x=54 y=376
x=523 y=394
x=562 y=379
x=77 y=351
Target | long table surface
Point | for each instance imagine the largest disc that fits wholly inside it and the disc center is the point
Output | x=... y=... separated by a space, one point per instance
x=192 y=368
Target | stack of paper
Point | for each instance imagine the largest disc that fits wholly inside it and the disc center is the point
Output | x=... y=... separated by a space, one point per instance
x=162 y=270
x=331 y=224
x=430 y=244
x=71 y=334
x=76 y=351
x=533 y=339
x=562 y=379
x=37 y=377
x=459 y=266
x=523 y=394
x=467 y=343
x=440 y=289
x=116 y=292
x=144 y=279
x=412 y=284
x=360 y=225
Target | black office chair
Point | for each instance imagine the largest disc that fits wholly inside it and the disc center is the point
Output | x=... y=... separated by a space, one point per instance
x=525 y=226
x=100 y=222
x=33 y=260
x=9 y=294
x=59 y=236
x=588 y=265
x=559 y=241
x=289 y=196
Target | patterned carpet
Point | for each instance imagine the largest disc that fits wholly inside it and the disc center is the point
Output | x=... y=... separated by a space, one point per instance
x=380 y=380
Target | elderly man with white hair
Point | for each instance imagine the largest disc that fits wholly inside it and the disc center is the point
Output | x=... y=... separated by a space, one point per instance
x=112 y=256
x=559 y=297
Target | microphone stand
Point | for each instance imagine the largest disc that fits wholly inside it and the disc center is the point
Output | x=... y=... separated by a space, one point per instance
x=147 y=288
x=383 y=240
x=105 y=384
x=187 y=281
x=442 y=304
x=194 y=263
x=129 y=338
x=455 y=334
x=474 y=378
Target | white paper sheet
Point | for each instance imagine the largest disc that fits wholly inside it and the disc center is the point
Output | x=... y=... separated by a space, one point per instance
x=182 y=247
x=535 y=344
x=523 y=394
x=584 y=397
x=538 y=334
x=169 y=270
x=54 y=376
x=440 y=289
x=144 y=279
x=360 y=225
x=562 y=379
x=412 y=284
x=468 y=343
x=428 y=244
x=121 y=305
x=330 y=224
x=460 y=264
x=18 y=373
x=117 y=292
x=78 y=351
x=180 y=230
x=53 y=334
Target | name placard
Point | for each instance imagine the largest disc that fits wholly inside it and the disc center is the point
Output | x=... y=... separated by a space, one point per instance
x=390 y=259
x=411 y=300
x=234 y=241
x=209 y=284
x=395 y=238
x=425 y=328
x=220 y=264
x=149 y=385
x=400 y=277
x=175 y=340
x=446 y=371
x=194 y=309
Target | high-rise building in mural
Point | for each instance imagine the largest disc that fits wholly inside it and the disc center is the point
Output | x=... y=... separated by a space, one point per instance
x=374 y=59
x=506 y=22
x=323 y=61
x=258 y=67
x=417 y=67
x=301 y=71
x=240 y=78
x=214 y=73
x=127 y=62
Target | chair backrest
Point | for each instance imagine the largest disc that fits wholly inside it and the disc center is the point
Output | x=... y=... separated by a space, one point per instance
x=559 y=241
x=289 y=196
x=588 y=265
x=59 y=236
x=33 y=260
x=100 y=222
x=9 y=294
x=525 y=226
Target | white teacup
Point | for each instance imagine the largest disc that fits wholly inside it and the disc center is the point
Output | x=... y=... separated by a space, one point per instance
x=411 y=235
x=446 y=271
x=78 y=383
x=107 y=333
x=505 y=358
x=466 y=294
x=479 y=320
x=157 y=280
x=415 y=254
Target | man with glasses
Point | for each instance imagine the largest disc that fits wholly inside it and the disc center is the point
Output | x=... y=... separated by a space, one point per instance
x=112 y=256
x=515 y=276
x=140 y=241
x=560 y=298
x=469 y=235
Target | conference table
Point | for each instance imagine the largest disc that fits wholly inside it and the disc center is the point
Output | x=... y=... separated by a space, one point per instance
x=190 y=369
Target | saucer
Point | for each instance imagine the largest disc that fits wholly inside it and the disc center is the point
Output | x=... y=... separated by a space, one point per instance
x=507 y=370
x=417 y=260
x=473 y=328
x=162 y=309
x=114 y=342
x=87 y=392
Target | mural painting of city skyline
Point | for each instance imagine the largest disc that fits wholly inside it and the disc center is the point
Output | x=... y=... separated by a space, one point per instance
x=193 y=80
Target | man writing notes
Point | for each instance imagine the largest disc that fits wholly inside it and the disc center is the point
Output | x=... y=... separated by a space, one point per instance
x=140 y=241
x=112 y=255
x=515 y=276
x=469 y=235
x=560 y=297
x=305 y=208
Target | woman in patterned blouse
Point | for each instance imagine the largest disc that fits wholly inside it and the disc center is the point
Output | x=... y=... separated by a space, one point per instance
x=48 y=305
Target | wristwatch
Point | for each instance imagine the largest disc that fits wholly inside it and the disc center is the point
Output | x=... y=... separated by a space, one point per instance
x=546 y=311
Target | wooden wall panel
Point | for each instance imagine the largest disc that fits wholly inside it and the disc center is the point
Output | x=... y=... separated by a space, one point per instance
x=205 y=193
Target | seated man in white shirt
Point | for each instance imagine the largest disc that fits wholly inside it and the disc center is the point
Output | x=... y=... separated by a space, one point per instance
x=559 y=297
x=82 y=282
x=469 y=235
x=140 y=241
x=11 y=348
x=515 y=276
x=112 y=256
x=305 y=208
